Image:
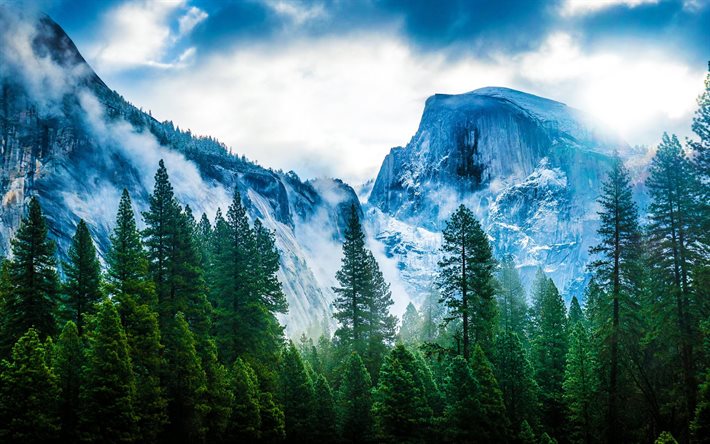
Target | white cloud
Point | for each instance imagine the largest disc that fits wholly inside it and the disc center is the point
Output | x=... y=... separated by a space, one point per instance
x=582 y=7
x=298 y=12
x=636 y=92
x=140 y=33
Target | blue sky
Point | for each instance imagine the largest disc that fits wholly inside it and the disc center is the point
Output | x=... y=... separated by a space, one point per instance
x=327 y=87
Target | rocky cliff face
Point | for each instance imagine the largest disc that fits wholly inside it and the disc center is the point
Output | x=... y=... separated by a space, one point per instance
x=67 y=138
x=531 y=169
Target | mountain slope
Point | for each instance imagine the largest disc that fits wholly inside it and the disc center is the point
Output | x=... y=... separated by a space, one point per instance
x=529 y=167
x=66 y=137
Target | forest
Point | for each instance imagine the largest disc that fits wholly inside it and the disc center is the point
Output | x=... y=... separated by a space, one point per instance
x=176 y=339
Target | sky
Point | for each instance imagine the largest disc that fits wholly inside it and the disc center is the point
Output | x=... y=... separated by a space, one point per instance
x=326 y=88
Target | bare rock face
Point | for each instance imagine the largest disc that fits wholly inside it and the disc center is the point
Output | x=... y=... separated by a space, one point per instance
x=70 y=140
x=531 y=168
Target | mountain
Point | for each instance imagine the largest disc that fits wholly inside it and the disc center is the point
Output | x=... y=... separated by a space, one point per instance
x=69 y=139
x=530 y=167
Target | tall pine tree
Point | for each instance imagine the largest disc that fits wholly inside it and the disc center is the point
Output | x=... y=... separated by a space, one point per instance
x=82 y=288
x=67 y=365
x=466 y=279
x=32 y=297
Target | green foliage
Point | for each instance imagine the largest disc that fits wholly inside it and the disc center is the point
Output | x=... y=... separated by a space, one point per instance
x=401 y=408
x=700 y=426
x=362 y=300
x=185 y=382
x=526 y=434
x=82 y=287
x=273 y=427
x=515 y=376
x=466 y=279
x=108 y=392
x=355 y=402
x=28 y=393
x=128 y=273
x=67 y=365
x=581 y=385
x=665 y=438
x=463 y=408
x=33 y=286
x=511 y=300
x=546 y=439
x=410 y=331
x=493 y=423
x=219 y=397
x=296 y=396
x=549 y=351
x=245 y=423
x=326 y=419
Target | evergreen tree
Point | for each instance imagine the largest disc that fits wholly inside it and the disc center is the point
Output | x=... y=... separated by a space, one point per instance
x=581 y=386
x=128 y=274
x=549 y=351
x=28 y=394
x=665 y=438
x=700 y=426
x=493 y=422
x=31 y=301
x=526 y=435
x=381 y=324
x=245 y=423
x=410 y=330
x=186 y=385
x=546 y=439
x=296 y=397
x=351 y=302
x=675 y=243
x=68 y=361
x=219 y=397
x=325 y=426
x=82 y=289
x=576 y=314
x=273 y=427
x=401 y=407
x=466 y=279
x=511 y=300
x=143 y=338
x=463 y=408
x=615 y=271
x=515 y=376
x=355 y=401
x=108 y=392
x=701 y=128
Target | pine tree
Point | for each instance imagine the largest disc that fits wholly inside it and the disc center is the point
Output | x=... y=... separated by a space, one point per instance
x=82 y=289
x=381 y=324
x=108 y=392
x=33 y=294
x=351 y=302
x=466 y=279
x=325 y=426
x=28 y=394
x=515 y=376
x=219 y=397
x=401 y=408
x=494 y=425
x=246 y=417
x=526 y=435
x=128 y=274
x=549 y=351
x=701 y=128
x=297 y=399
x=615 y=271
x=700 y=426
x=185 y=385
x=581 y=385
x=546 y=439
x=511 y=300
x=675 y=243
x=665 y=438
x=266 y=259
x=143 y=337
x=68 y=360
x=355 y=402
x=410 y=330
x=273 y=427
x=576 y=314
x=463 y=408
